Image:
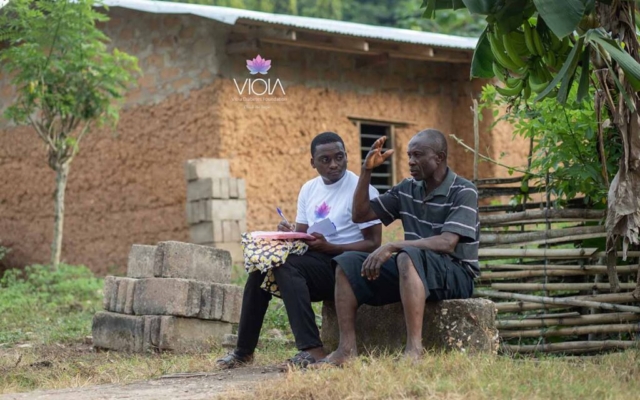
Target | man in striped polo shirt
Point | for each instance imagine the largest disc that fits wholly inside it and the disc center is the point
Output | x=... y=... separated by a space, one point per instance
x=438 y=259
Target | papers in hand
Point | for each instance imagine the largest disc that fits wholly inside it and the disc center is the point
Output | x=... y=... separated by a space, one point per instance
x=324 y=227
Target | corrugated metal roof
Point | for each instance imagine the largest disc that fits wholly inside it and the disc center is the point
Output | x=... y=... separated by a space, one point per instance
x=231 y=15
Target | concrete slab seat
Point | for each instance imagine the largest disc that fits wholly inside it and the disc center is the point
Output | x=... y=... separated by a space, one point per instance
x=463 y=325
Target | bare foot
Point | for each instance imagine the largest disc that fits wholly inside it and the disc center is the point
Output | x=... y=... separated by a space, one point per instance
x=317 y=352
x=414 y=355
x=335 y=359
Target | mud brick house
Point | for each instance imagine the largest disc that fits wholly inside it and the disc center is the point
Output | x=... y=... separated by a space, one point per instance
x=197 y=98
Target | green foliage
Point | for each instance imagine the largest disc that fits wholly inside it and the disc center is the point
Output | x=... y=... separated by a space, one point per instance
x=44 y=305
x=4 y=251
x=64 y=74
x=404 y=14
x=565 y=144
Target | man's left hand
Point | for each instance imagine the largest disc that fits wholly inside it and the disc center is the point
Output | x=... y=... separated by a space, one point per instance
x=320 y=244
x=373 y=263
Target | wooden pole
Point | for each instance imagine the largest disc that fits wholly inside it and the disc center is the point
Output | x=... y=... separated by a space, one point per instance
x=574 y=331
x=557 y=300
x=518 y=306
x=476 y=139
x=579 y=214
x=487 y=276
x=509 y=238
x=532 y=287
x=596 y=269
x=567 y=321
x=572 y=346
x=537 y=253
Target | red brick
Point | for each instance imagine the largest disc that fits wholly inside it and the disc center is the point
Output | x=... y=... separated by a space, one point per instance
x=171 y=21
x=187 y=32
x=147 y=80
x=205 y=75
x=169 y=73
x=126 y=34
x=180 y=83
x=154 y=60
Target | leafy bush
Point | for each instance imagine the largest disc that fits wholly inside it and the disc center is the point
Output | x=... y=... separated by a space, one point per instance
x=4 y=251
x=565 y=144
x=44 y=305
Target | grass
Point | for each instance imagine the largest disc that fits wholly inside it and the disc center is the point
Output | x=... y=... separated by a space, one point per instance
x=458 y=376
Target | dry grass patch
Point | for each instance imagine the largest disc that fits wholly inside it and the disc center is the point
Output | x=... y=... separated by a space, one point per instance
x=56 y=367
x=457 y=376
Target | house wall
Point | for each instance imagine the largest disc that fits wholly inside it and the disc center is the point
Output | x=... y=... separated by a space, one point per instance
x=127 y=185
x=268 y=145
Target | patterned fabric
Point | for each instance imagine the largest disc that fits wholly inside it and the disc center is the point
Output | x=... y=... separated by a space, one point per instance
x=263 y=255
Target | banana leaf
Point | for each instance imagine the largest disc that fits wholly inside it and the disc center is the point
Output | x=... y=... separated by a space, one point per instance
x=627 y=63
x=562 y=17
x=433 y=5
x=568 y=64
x=482 y=58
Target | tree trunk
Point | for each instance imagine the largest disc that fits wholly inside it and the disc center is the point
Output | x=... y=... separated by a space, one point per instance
x=623 y=214
x=62 y=173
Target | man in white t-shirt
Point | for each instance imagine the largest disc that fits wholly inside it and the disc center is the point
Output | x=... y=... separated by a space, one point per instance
x=311 y=276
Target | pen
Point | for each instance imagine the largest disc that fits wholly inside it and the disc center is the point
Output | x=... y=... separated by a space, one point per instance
x=282 y=216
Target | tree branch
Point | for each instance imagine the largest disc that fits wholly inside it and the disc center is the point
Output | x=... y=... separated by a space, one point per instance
x=491 y=160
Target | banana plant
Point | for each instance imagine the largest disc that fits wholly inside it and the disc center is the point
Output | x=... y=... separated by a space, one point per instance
x=543 y=47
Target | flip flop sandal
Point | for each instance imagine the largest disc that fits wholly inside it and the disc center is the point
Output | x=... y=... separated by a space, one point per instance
x=326 y=363
x=301 y=360
x=232 y=360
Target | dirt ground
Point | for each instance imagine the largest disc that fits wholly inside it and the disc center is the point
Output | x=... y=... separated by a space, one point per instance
x=192 y=386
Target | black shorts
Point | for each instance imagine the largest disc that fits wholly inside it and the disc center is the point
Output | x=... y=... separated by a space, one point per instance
x=443 y=277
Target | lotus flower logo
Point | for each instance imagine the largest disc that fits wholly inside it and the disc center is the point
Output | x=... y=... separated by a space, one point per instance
x=258 y=65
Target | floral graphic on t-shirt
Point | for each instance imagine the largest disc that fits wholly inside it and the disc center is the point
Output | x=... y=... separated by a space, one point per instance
x=322 y=211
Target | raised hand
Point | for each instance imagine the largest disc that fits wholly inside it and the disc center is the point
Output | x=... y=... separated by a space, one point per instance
x=376 y=157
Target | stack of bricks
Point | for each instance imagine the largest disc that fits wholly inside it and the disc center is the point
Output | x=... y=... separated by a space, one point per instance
x=216 y=205
x=176 y=296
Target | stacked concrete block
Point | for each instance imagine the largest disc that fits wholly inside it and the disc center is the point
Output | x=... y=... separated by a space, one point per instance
x=176 y=296
x=216 y=207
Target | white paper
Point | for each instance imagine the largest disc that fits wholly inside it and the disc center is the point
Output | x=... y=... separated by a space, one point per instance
x=324 y=227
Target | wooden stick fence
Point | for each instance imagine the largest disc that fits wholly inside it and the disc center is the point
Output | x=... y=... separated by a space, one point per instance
x=545 y=291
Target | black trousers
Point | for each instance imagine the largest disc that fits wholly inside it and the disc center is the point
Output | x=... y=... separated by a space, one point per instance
x=301 y=280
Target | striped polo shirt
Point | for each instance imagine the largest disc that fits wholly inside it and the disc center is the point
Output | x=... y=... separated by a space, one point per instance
x=451 y=207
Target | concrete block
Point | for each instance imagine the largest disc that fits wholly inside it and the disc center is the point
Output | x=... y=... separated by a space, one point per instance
x=209 y=188
x=233 y=188
x=118 y=331
x=167 y=296
x=206 y=168
x=242 y=225
x=465 y=325
x=110 y=292
x=140 y=264
x=138 y=333
x=190 y=212
x=212 y=301
x=229 y=231
x=232 y=304
x=225 y=210
x=242 y=189
x=119 y=294
x=207 y=232
x=192 y=261
x=190 y=334
x=234 y=249
x=224 y=188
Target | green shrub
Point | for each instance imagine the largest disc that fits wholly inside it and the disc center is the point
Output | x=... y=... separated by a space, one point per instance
x=38 y=304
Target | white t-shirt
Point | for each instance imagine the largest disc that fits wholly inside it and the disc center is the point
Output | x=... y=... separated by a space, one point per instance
x=318 y=201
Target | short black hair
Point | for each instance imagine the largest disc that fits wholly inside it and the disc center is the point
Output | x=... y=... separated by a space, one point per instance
x=436 y=137
x=325 y=138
